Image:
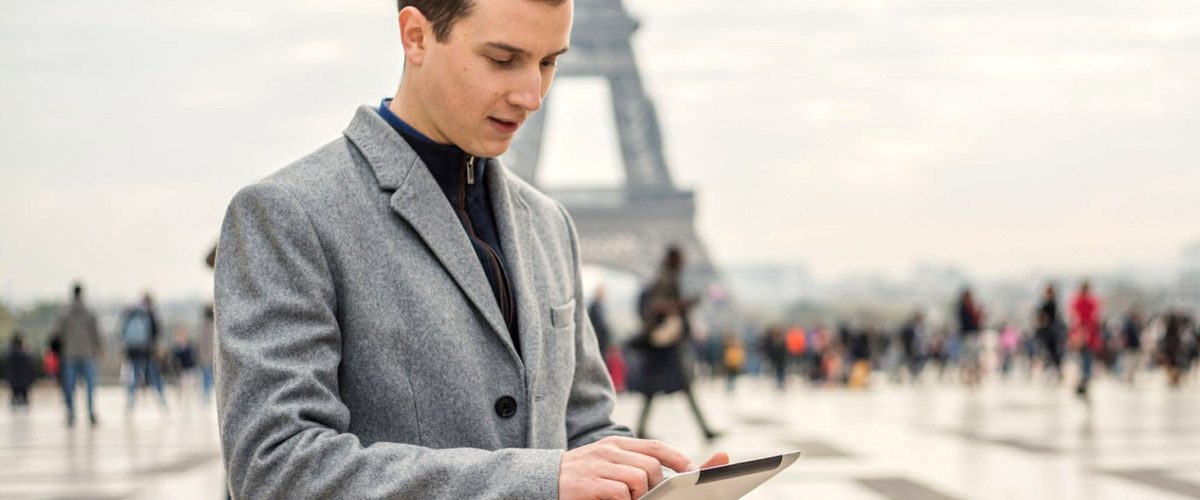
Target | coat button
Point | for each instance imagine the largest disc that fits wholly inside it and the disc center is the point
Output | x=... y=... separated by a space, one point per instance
x=506 y=407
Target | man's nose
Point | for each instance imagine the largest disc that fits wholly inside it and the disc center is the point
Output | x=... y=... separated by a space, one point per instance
x=528 y=93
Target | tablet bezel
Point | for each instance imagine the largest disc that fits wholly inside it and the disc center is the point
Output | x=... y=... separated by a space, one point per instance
x=685 y=480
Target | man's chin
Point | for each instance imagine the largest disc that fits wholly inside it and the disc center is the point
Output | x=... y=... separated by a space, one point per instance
x=492 y=149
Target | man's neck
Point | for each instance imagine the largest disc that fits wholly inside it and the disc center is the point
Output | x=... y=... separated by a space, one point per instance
x=408 y=109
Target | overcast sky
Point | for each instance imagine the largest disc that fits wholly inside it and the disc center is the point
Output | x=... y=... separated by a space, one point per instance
x=850 y=135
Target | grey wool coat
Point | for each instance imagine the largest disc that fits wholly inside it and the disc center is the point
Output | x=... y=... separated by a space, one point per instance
x=361 y=353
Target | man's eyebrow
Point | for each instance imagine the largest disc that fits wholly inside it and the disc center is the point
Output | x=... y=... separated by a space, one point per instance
x=520 y=51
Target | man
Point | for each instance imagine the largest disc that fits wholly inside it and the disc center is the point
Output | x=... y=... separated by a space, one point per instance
x=399 y=316
x=139 y=333
x=80 y=348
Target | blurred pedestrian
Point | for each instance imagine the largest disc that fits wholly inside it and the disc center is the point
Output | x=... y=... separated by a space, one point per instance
x=18 y=370
x=1193 y=334
x=1010 y=342
x=139 y=332
x=81 y=348
x=818 y=346
x=797 y=343
x=52 y=359
x=912 y=341
x=860 y=359
x=774 y=347
x=1132 y=354
x=618 y=368
x=1173 y=348
x=733 y=359
x=204 y=353
x=1050 y=331
x=599 y=321
x=1085 y=333
x=665 y=332
x=939 y=352
x=612 y=354
x=184 y=356
x=970 y=323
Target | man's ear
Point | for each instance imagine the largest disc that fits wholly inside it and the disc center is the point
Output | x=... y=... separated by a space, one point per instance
x=415 y=34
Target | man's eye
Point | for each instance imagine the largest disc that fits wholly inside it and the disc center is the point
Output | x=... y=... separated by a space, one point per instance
x=501 y=62
x=549 y=63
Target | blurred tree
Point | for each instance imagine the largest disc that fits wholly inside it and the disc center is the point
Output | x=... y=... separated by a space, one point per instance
x=809 y=313
x=7 y=323
x=37 y=323
x=1121 y=295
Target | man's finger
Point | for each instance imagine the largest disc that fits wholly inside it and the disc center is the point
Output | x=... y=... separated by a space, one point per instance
x=610 y=489
x=665 y=454
x=647 y=463
x=718 y=458
x=634 y=479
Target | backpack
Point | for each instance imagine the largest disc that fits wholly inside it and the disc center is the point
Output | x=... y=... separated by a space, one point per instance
x=136 y=332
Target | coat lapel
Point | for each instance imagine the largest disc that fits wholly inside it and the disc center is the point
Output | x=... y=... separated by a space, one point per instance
x=514 y=223
x=419 y=201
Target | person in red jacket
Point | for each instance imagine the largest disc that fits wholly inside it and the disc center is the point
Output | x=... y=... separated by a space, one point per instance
x=1085 y=332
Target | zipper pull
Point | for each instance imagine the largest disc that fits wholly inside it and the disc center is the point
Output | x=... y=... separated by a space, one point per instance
x=470 y=170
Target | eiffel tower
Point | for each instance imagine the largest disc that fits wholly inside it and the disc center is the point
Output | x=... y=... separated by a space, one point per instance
x=629 y=227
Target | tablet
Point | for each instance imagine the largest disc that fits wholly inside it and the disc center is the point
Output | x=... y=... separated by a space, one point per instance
x=725 y=482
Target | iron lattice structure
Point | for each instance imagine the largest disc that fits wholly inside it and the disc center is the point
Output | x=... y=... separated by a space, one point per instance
x=628 y=227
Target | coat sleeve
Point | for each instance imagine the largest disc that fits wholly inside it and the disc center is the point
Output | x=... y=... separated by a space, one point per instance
x=284 y=429
x=590 y=405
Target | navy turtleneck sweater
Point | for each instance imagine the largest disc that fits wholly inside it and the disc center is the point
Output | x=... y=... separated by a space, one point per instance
x=471 y=203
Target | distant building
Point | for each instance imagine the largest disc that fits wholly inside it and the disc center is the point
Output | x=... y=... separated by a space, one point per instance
x=1187 y=290
x=770 y=286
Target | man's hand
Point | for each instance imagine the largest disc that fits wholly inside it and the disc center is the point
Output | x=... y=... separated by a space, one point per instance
x=620 y=468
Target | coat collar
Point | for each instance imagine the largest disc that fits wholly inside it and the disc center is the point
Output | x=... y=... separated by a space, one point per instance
x=419 y=200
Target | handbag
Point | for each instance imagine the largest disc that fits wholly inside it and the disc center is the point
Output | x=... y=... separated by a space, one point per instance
x=668 y=332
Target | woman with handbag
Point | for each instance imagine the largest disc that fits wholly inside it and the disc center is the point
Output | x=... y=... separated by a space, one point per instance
x=660 y=344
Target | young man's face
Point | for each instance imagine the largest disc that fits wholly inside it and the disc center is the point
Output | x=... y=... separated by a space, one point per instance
x=484 y=80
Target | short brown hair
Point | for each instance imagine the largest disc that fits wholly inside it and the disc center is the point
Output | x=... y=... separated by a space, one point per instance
x=442 y=14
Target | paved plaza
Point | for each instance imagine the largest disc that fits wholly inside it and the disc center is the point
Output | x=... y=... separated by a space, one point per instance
x=936 y=441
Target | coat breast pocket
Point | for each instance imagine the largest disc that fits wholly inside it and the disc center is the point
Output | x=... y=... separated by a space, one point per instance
x=562 y=317
x=560 y=344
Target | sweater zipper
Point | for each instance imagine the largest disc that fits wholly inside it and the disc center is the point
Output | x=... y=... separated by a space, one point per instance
x=470 y=169
x=493 y=258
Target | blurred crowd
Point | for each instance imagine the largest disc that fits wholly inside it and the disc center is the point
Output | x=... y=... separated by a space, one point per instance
x=151 y=358
x=1076 y=341
x=1123 y=345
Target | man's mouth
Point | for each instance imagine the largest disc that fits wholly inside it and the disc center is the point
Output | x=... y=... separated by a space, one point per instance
x=506 y=126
